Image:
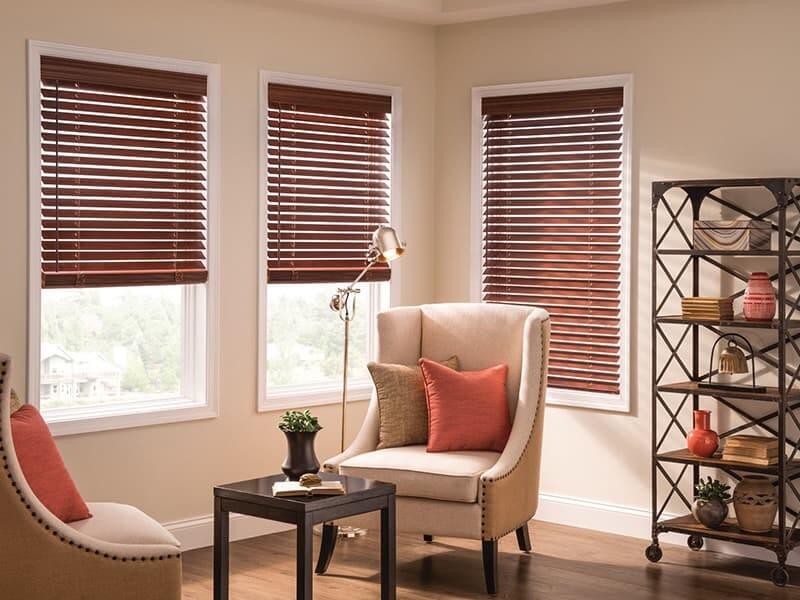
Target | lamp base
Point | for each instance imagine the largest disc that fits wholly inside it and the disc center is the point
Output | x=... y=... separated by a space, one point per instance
x=732 y=387
x=347 y=532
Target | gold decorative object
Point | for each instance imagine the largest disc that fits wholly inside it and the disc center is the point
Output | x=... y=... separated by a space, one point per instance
x=310 y=480
x=732 y=361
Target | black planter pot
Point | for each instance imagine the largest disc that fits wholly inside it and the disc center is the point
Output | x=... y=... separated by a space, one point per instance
x=300 y=458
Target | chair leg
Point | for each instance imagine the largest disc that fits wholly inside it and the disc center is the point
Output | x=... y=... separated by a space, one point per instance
x=326 y=547
x=428 y=538
x=524 y=539
x=490 y=565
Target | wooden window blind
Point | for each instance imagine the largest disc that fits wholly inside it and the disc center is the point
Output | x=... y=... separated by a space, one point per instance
x=123 y=183
x=328 y=182
x=552 y=223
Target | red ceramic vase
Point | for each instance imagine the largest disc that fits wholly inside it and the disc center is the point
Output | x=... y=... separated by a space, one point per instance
x=759 y=298
x=702 y=440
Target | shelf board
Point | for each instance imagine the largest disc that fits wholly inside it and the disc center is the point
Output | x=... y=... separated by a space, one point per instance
x=691 y=387
x=688 y=252
x=735 y=322
x=728 y=531
x=684 y=456
x=728 y=183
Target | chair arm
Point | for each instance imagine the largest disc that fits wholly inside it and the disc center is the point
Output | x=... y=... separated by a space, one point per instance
x=509 y=493
x=365 y=441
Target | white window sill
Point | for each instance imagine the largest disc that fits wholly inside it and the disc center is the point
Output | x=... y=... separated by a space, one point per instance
x=308 y=396
x=91 y=419
x=593 y=400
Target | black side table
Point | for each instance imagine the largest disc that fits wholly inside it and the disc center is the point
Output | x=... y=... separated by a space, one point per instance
x=254 y=497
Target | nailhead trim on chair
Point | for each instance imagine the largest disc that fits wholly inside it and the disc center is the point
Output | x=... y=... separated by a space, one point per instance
x=39 y=519
x=542 y=387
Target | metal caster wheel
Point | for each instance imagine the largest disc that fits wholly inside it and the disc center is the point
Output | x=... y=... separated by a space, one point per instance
x=653 y=553
x=780 y=576
x=695 y=542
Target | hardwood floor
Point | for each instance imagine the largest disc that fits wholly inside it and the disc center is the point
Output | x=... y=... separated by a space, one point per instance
x=566 y=564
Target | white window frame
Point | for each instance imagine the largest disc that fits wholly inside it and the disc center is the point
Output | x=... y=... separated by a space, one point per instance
x=199 y=393
x=301 y=396
x=610 y=402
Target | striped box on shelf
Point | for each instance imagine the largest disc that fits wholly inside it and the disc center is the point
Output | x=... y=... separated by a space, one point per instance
x=738 y=234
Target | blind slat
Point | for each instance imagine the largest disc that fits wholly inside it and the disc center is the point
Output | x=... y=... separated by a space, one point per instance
x=169 y=113
x=73 y=118
x=92 y=154
x=62 y=170
x=129 y=143
x=125 y=99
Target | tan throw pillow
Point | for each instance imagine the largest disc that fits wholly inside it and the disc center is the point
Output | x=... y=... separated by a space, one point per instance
x=401 y=403
x=15 y=403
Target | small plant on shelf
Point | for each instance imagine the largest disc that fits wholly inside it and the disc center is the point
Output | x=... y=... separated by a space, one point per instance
x=711 y=502
x=299 y=421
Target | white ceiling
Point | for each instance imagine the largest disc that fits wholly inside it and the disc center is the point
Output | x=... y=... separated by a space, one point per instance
x=444 y=12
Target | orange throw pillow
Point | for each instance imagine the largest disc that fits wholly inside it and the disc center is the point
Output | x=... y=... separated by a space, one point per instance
x=467 y=410
x=43 y=467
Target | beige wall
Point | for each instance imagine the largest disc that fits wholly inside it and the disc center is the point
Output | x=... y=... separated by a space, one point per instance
x=169 y=470
x=714 y=94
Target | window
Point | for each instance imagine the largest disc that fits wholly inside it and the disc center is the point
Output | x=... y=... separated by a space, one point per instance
x=122 y=236
x=553 y=195
x=327 y=173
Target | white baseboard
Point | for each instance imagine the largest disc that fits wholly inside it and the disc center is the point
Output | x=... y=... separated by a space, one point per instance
x=632 y=522
x=199 y=532
x=564 y=510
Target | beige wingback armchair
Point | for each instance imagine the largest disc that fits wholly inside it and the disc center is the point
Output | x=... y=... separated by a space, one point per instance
x=475 y=495
x=118 y=554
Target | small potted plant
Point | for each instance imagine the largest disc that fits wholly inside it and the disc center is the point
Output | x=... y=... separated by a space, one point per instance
x=300 y=429
x=710 y=505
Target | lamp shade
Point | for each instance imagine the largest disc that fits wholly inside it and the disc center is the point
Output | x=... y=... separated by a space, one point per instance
x=386 y=245
x=732 y=360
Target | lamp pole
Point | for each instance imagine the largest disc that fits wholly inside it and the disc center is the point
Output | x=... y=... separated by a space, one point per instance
x=347 y=311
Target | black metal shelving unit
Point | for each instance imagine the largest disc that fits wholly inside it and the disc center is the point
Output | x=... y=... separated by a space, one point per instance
x=670 y=398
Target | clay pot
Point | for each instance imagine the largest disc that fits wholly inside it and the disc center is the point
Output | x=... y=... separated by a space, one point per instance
x=755 y=501
x=702 y=440
x=710 y=513
x=759 y=298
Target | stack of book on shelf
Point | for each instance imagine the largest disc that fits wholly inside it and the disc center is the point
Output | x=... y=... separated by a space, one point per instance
x=707 y=309
x=751 y=449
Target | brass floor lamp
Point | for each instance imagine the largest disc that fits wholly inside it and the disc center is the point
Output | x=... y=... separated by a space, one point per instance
x=384 y=248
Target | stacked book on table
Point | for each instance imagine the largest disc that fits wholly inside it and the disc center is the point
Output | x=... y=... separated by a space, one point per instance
x=281 y=489
x=707 y=309
x=751 y=449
